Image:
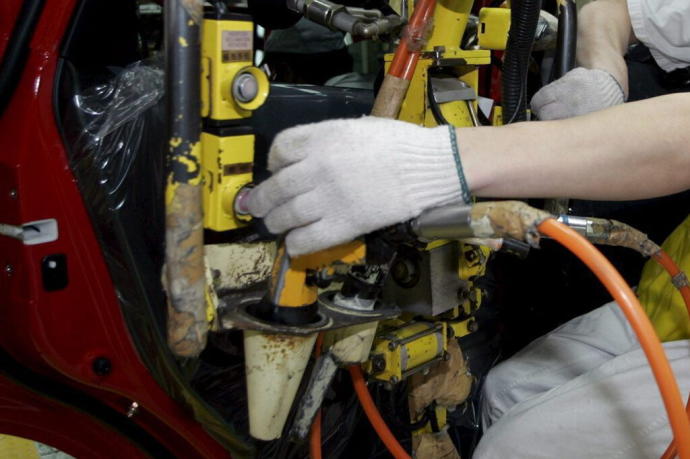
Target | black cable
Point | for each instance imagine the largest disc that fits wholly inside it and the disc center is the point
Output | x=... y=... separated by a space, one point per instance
x=524 y=16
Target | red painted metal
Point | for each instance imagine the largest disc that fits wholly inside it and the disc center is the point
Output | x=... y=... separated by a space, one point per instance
x=28 y=415
x=59 y=333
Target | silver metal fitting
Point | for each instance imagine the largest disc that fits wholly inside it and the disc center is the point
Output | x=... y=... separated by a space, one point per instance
x=450 y=222
x=579 y=224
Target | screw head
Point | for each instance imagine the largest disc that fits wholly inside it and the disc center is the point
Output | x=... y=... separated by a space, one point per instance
x=9 y=269
x=394 y=380
x=13 y=194
x=392 y=345
x=378 y=364
x=473 y=326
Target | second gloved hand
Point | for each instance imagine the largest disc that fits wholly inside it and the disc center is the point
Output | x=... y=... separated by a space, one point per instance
x=336 y=180
x=578 y=92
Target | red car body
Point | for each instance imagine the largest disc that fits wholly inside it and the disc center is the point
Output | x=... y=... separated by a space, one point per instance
x=53 y=339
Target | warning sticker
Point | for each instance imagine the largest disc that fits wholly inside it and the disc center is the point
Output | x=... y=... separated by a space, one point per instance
x=237 y=45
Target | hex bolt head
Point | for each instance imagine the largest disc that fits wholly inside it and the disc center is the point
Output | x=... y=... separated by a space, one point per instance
x=392 y=345
x=378 y=364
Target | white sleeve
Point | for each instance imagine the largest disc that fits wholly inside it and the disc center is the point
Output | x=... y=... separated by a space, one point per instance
x=664 y=27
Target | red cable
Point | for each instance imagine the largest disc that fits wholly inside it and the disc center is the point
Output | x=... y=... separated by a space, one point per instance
x=639 y=321
x=374 y=416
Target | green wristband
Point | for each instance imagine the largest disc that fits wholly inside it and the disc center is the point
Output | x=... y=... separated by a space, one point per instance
x=464 y=189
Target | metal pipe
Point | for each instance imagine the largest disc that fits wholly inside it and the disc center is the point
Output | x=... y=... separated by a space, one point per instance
x=566 y=44
x=184 y=245
x=449 y=222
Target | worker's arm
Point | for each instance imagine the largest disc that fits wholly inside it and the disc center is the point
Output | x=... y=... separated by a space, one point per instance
x=632 y=151
x=339 y=179
x=603 y=34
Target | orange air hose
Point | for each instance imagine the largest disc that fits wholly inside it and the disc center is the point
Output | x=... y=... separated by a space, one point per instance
x=315 y=433
x=406 y=55
x=671 y=450
x=374 y=416
x=673 y=270
x=639 y=322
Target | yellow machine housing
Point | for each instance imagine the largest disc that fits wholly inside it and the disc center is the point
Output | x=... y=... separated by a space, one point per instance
x=227 y=143
x=494 y=24
x=402 y=349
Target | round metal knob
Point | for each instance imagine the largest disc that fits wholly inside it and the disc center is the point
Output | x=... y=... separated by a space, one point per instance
x=245 y=88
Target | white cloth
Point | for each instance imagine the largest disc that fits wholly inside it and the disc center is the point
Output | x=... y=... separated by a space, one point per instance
x=336 y=180
x=664 y=27
x=584 y=390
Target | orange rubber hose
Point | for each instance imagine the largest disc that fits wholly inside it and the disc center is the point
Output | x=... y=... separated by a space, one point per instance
x=639 y=322
x=374 y=416
x=671 y=450
x=673 y=270
x=315 y=433
x=405 y=61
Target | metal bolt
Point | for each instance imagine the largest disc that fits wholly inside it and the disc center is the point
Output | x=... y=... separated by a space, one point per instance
x=394 y=380
x=473 y=326
x=133 y=408
x=101 y=366
x=378 y=364
x=9 y=269
x=392 y=345
x=13 y=194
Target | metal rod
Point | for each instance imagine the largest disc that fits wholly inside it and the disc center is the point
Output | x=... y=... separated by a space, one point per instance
x=184 y=244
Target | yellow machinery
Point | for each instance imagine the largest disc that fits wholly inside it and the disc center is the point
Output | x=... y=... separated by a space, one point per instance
x=443 y=90
x=231 y=88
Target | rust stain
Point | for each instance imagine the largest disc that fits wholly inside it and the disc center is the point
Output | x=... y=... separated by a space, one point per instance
x=510 y=218
x=185 y=276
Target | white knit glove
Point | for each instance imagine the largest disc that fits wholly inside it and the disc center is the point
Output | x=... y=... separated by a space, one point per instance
x=578 y=92
x=335 y=180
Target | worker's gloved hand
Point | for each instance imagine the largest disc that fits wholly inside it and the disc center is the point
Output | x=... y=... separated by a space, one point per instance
x=578 y=92
x=336 y=180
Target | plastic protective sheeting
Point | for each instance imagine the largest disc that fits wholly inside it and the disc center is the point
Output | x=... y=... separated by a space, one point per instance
x=115 y=131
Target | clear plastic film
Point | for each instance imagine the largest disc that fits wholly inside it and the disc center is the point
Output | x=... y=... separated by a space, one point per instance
x=115 y=133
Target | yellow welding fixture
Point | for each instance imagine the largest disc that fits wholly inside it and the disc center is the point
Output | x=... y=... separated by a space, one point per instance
x=494 y=24
x=231 y=88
